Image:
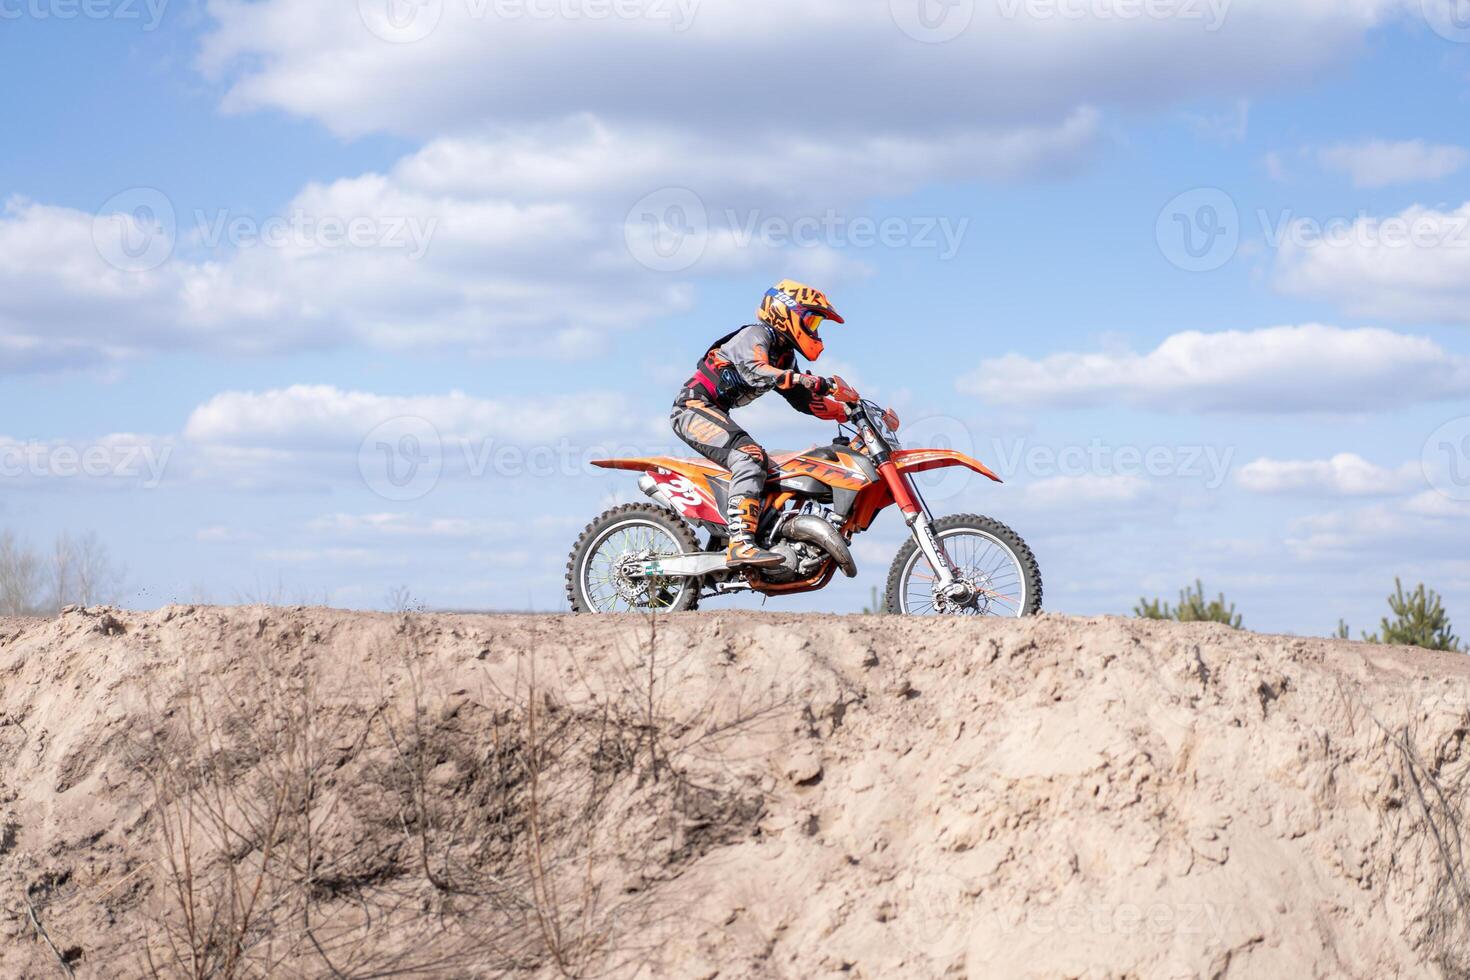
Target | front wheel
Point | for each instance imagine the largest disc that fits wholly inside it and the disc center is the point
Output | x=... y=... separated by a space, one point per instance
x=598 y=579
x=999 y=572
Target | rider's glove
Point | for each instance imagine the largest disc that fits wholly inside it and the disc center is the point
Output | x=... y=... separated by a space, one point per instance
x=819 y=387
x=831 y=411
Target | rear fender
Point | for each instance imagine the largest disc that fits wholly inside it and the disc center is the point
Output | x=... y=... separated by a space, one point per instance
x=686 y=485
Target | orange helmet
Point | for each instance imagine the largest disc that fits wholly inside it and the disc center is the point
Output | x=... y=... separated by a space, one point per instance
x=798 y=312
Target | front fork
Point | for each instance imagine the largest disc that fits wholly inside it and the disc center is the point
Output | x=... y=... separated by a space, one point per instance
x=920 y=522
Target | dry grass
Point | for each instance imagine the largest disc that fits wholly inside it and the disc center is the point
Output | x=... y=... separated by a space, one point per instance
x=400 y=829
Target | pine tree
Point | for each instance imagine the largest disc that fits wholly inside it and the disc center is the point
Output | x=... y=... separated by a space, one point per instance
x=1420 y=621
x=1192 y=608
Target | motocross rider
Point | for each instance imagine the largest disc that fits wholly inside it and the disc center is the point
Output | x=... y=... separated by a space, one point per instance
x=736 y=370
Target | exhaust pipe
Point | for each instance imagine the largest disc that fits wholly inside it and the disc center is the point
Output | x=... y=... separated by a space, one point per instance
x=815 y=530
x=656 y=491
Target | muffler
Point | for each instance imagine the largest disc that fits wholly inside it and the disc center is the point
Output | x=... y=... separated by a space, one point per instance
x=657 y=491
x=817 y=531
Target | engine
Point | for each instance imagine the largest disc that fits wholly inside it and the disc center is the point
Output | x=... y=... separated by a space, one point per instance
x=802 y=561
x=807 y=542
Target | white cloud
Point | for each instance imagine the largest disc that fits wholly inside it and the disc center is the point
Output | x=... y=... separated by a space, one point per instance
x=1277 y=369
x=495 y=278
x=120 y=460
x=1344 y=475
x=584 y=155
x=412 y=526
x=472 y=65
x=324 y=416
x=1087 y=490
x=1228 y=126
x=1425 y=525
x=321 y=435
x=1411 y=266
x=529 y=242
x=224 y=534
x=1380 y=163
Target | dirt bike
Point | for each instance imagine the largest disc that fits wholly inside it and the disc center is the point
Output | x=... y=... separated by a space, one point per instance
x=642 y=557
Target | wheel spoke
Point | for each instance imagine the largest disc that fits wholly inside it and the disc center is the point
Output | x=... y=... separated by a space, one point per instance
x=987 y=566
x=606 y=582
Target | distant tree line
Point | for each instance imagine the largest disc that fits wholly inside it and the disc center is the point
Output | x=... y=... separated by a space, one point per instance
x=75 y=570
x=1418 y=618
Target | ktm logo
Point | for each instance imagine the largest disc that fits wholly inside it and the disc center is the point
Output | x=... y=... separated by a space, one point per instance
x=835 y=476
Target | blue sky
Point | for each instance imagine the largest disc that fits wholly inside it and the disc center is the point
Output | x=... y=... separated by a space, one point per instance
x=1286 y=414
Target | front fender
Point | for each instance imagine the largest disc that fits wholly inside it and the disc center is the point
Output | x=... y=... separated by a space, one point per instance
x=919 y=460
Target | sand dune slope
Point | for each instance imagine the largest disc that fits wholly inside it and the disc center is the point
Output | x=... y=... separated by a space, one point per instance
x=257 y=792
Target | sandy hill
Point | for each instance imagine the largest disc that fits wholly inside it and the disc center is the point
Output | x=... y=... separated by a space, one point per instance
x=257 y=792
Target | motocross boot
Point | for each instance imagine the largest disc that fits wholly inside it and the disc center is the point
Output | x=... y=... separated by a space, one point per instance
x=744 y=516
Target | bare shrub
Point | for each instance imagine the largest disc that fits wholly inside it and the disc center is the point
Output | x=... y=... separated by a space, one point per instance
x=1426 y=807
x=410 y=827
x=20 y=577
x=82 y=572
x=77 y=570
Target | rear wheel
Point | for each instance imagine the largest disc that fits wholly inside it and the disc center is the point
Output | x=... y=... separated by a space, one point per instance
x=1000 y=573
x=598 y=579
